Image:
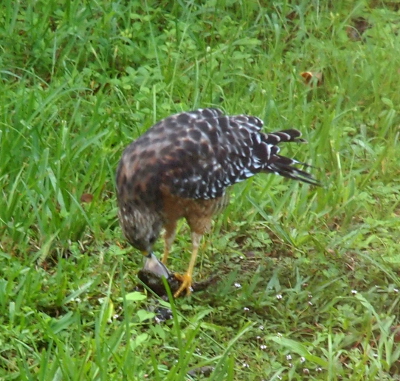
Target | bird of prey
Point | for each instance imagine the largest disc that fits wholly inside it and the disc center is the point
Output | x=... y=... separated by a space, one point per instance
x=183 y=166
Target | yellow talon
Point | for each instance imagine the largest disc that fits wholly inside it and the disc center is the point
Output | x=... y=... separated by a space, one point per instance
x=186 y=280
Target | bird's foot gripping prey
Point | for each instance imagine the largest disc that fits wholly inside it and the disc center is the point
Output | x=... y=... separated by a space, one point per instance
x=153 y=272
x=182 y=167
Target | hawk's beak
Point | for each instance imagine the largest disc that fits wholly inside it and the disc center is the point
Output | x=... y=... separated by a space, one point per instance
x=153 y=265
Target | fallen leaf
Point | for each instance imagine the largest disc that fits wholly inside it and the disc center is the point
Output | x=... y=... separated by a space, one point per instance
x=86 y=198
x=313 y=78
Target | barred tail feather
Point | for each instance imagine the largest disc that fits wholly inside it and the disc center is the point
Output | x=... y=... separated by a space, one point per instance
x=283 y=136
x=283 y=166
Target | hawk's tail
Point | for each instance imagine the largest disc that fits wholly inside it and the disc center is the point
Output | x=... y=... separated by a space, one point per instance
x=284 y=166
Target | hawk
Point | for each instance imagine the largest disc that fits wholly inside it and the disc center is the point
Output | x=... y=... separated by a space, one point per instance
x=183 y=166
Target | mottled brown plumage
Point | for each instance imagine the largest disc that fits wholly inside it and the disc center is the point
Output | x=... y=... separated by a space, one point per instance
x=181 y=168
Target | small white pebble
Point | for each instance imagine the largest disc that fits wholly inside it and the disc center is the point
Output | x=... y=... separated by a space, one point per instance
x=395 y=290
x=310 y=296
x=288 y=357
x=290 y=365
x=263 y=346
x=237 y=285
x=261 y=327
x=302 y=359
x=116 y=316
x=319 y=369
x=279 y=296
x=245 y=365
x=279 y=334
x=310 y=303
x=246 y=309
x=306 y=371
x=354 y=292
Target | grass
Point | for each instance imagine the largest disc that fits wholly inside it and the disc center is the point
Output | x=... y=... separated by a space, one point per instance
x=310 y=285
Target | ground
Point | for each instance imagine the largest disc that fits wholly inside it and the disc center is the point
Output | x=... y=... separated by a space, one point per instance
x=309 y=282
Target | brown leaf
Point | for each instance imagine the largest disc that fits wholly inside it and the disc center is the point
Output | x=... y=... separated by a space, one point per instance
x=313 y=78
x=396 y=330
x=292 y=15
x=86 y=198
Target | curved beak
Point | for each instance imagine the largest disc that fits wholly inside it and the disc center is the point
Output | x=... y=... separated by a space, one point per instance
x=155 y=266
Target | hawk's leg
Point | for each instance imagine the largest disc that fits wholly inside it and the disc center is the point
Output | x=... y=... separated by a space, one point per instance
x=186 y=278
x=169 y=236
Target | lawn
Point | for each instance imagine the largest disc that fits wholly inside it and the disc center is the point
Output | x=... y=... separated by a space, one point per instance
x=309 y=285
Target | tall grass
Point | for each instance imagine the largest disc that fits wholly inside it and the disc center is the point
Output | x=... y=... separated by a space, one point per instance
x=309 y=285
